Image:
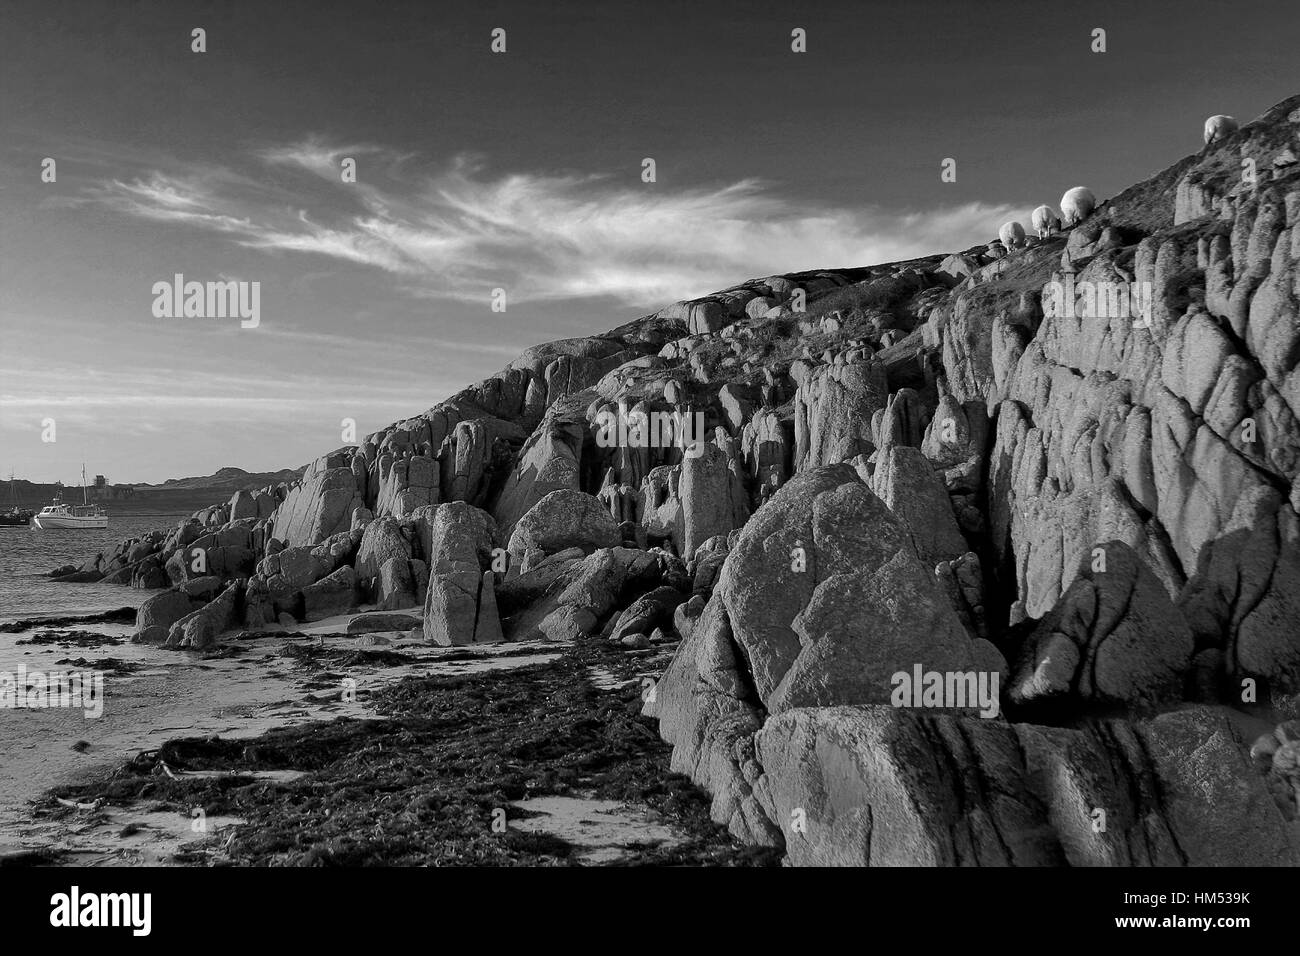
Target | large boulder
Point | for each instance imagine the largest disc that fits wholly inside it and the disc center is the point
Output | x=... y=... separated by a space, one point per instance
x=374 y=623
x=707 y=709
x=334 y=594
x=164 y=609
x=827 y=598
x=319 y=506
x=821 y=601
x=200 y=629
x=460 y=607
x=565 y=519
x=651 y=610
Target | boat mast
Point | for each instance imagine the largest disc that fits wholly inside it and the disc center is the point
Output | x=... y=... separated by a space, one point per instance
x=85 y=497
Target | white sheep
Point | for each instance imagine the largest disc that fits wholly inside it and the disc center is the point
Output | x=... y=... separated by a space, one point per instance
x=1045 y=220
x=1012 y=235
x=1077 y=205
x=1219 y=127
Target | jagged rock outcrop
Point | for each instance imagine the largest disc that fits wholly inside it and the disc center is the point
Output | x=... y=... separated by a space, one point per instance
x=913 y=463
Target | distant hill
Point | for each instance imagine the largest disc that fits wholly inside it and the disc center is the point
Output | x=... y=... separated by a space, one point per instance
x=229 y=479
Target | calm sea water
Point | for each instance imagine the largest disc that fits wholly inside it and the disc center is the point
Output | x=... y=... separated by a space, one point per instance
x=26 y=554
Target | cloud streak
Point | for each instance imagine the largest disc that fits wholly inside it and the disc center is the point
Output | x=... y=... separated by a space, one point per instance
x=461 y=232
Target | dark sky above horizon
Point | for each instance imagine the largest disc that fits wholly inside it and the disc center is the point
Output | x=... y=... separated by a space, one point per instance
x=518 y=170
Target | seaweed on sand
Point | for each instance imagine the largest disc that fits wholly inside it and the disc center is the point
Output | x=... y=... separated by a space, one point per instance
x=419 y=784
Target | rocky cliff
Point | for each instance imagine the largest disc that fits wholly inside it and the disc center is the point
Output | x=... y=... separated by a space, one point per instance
x=1067 y=469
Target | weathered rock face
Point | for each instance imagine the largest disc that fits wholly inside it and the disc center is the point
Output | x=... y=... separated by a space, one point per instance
x=406 y=484
x=1114 y=637
x=833 y=409
x=876 y=789
x=548 y=462
x=1245 y=594
x=320 y=506
x=712 y=496
x=767 y=445
x=460 y=607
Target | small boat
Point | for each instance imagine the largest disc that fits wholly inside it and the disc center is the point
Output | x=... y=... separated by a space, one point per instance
x=15 y=517
x=60 y=515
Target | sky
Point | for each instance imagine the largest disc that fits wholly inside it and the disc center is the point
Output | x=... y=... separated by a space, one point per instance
x=519 y=171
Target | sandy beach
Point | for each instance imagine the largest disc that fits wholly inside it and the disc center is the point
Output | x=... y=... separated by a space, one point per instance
x=255 y=684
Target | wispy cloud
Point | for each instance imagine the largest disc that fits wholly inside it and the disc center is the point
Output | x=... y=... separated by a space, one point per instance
x=458 y=233
x=417 y=344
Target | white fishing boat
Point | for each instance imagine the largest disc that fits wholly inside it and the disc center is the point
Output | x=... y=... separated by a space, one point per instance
x=57 y=514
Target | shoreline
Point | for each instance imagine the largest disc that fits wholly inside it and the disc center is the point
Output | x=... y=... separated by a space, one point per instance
x=183 y=731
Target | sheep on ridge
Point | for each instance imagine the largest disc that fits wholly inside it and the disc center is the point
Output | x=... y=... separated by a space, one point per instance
x=1012 y=235
x=1219 y=127
x=1045 y=220
x=1077 y=205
